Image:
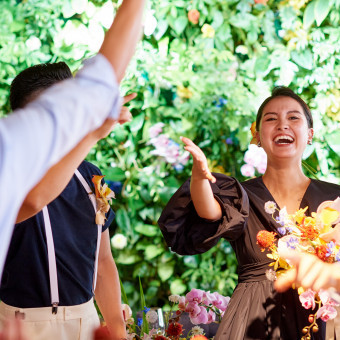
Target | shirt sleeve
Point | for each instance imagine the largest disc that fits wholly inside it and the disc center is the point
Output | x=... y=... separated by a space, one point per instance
x=32 y=139
x=186 y=233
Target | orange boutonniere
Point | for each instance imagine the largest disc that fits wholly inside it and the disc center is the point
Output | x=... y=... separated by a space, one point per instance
x=104 y=196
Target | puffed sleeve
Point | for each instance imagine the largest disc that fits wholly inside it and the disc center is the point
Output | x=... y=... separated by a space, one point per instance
x=187 y=233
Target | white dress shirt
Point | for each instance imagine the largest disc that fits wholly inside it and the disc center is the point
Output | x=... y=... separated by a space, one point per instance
x=34 y=138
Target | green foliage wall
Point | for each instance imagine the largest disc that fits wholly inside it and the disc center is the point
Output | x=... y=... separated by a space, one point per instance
x=203 y=78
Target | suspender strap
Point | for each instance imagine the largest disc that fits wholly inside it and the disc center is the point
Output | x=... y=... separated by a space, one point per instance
x=52 y=265
x=92 y=198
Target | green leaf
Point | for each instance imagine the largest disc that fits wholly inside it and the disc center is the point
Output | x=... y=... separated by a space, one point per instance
x=114 y=174
x=165 y=270
x=124 y=297
x=333 y=140
x=147 y=229
x=137 y=123
x=321 y=10
x=180 y=24
x=145 y=326
x=308 y=15
x=122 y=219
x=128 y=257
x=304 y=58
x=153 y=251
x=177 y=287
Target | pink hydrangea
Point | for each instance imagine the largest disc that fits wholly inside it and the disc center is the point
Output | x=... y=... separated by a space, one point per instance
x=326 y=313
x=201 y=317
x=155 y=130
x=307 y=299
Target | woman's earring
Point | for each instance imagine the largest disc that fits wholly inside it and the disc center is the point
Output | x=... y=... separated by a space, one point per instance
x=259 y=144
x=310 y=142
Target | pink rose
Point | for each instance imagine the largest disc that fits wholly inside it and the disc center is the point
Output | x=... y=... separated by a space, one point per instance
x=201 y=317
x=326 y=313
x=307 y=299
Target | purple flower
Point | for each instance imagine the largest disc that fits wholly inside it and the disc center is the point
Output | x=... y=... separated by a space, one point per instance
x=221 y=102
x=146 y=309
x=282 y=230
x=229 y=141
x=337 y=256
x=139 y=322
x=330 y=248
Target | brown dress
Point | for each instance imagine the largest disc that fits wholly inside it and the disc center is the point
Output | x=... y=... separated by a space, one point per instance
x=256 y=310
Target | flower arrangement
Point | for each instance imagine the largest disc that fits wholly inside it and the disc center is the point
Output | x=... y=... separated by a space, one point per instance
x=202 y=308
x=313 y=234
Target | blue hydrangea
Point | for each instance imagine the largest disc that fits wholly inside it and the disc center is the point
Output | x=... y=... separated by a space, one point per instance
x=292 y=242
x=229 y=141
x=139 y=322
x=146 y=309
x=337 y=256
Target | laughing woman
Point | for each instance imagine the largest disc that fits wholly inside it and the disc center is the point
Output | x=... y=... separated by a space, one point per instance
x=212 y=206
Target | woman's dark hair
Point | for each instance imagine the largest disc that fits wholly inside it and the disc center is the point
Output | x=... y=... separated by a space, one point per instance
x=283 y=91
x=35 y=79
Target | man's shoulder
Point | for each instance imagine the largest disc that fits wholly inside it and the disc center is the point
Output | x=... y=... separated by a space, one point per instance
x=88 y=169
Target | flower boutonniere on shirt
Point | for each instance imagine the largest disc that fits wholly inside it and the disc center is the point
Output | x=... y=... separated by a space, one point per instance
x=104 y=197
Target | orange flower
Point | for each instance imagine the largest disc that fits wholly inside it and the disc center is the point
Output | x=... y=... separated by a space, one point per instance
x=263 y=2
x=253 y=133
x=193 y=16
x=103 y=197
x=199 y=337
x=321 y=252
x=265 y=238
x=308 y=231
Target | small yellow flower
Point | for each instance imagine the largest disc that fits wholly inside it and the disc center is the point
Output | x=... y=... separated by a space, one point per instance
x=299 y=215
x=208 y=31
x=184 y=92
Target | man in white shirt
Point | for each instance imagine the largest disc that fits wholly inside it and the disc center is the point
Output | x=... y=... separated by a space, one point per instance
x=34 y=138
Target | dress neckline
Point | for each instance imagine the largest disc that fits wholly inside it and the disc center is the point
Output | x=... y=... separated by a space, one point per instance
x=273 y=199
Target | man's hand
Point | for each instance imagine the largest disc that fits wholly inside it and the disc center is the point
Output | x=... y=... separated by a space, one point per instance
x=124 y=117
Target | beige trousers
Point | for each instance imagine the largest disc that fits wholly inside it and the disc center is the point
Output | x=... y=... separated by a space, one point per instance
x=70 y=323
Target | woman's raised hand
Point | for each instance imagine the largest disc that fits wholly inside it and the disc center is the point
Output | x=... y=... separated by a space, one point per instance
x=200 y=169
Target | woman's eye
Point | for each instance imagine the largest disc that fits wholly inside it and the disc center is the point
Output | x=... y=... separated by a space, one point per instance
x=269 y=119
x=293 y=117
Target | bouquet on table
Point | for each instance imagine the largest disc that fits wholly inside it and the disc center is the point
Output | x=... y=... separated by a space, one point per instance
x=202 y=308
x=313 y=234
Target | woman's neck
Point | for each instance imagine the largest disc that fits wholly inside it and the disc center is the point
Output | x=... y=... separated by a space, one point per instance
x=287 y=185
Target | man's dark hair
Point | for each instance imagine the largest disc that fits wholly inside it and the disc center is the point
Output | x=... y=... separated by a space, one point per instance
x=282 y=91
x=30 y=82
